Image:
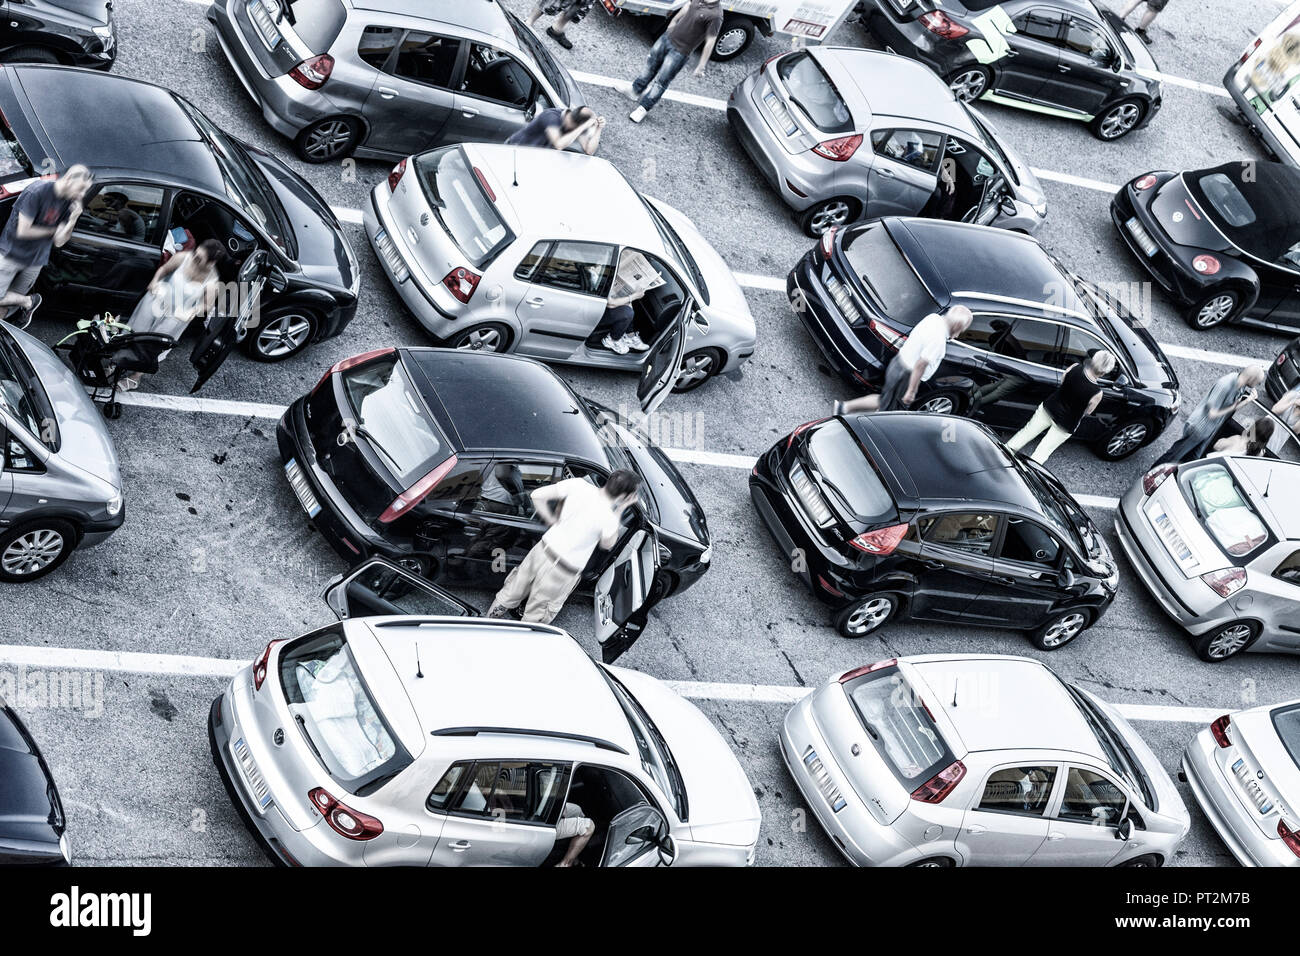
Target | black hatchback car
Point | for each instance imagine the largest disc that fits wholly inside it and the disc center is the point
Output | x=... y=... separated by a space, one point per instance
x=427 y=457
x=32 y=825
x=1066 y=58
x=167 y=178
x=862 y=289
x=929 y=517
x=70 y=32
x=1224 y=242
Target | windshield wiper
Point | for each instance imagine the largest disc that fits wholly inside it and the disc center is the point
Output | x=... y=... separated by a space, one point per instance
x=838 y=493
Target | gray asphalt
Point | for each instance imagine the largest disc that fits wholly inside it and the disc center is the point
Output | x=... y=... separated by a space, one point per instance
x=216 y=557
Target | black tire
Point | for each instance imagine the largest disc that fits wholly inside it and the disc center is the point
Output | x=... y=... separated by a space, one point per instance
x=1119 y=120
x=867 y=614
x=1227 y=641
x=934 y=863
x=30 y=54
x=284 y=332
x=1146 y=860
x=1061 y=629
x=1217 y=307
x=328 y=139
x=697 y=368
x=32 y=550
x=837 y=211
x=485 y=337
x=1125 y=439
x=969 y=83
x=734 y=38
x=945 y=401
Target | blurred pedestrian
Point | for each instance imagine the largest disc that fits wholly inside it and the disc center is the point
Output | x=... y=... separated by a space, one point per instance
x=42 y=219
x=560 y=128
x=1153 y=10
x=565 y=13
x=1229 y=393
x=1057 y=418
x=698 y=22
x=914 y=363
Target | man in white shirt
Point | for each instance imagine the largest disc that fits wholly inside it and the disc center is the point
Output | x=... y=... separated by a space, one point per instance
x=916 y=362
x=580 y=517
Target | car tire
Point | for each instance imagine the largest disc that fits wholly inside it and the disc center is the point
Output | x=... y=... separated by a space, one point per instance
x=1227 y=641
x=838 y=211
x=328 y=139
x=933 y=862
x=1118 y=121
x=697 y=368
x=942 y=402
x=30 y=54
x=488 y=337
x=284 y=331
x=1061 y=629
x=418 y=563
x=33 y=550
x=1217 y=307
x=734 y=38
x=1146 y=860
x=970 y=82
x=867 y=614
x=1125 y=439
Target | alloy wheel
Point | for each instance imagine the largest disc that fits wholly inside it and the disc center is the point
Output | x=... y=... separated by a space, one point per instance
x=831 y=215
x=1064 y=629
x=695 y=369
x=1120 y=120
x=283 y=335
x=480 y=340
x=1216 y=310
x=328 y=139
x=32 y=552
x=869 y=615
x=969 y=85
x=1230 y=640
x=1127 y=440
x=939 y=405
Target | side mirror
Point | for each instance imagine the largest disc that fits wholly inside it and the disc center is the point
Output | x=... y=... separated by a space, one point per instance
x=1008 y=206
x=700 y=321
x=1066 y=578
x=667 y=850
x=1124 y=830
x=276 y=280
x=253 y=266
x=1122 y=381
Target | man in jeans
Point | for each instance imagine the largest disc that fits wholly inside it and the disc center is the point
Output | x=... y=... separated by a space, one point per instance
x=698 y=22
x=580 y=517
x=43 y=217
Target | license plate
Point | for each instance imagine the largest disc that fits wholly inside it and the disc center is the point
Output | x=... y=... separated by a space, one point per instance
x=1141 y=237
x=780 y=113
x=389 y=251
x=823 y=780
x=262 y=15
x=1172 y=538
x=298 y=482
x=252 y=776
x=1254 y=792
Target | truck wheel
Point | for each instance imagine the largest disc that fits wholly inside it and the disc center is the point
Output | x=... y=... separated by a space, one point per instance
x=734 y=38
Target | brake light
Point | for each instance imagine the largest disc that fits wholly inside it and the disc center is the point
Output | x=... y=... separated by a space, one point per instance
x=1206 y=265
x=1227 y=582
x=342 y=819
x=482 y=181
x=867 y=669
x=312 y=74
x=396 y=175
x=882 y=541
x=1290 y=837
x=417 y=492
x=887 y=334
x=461 y=283
x=259 y=669
x=353 y=362
x=1220 y=731
x=941 y=784
x=838 y=150
x=828 y=243
x=1154 y=478
x=1146 y=182
x=941 y=25
x=800 y=430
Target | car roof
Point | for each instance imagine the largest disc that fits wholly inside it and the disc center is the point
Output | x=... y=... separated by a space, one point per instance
x=1273 y=194
x=1280 y=478
x=500 y=675
x=561 y=194
x=490 y=402
x=1006 y=703
x=483 y=16
x=891 y=86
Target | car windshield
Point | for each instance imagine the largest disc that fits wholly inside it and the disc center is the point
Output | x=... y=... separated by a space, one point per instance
x=899 y=725
x=1286 y=721
x=810 y=89
x=457 y=193
x=1060 y=510
x=390 y=415
x=540 y=55
x=844 y=467
x=887 y=276
x=23 y=396
x=652 y=748
x=674 y=242
x=1118 y=754
x=989 y=140
x=1224 y=509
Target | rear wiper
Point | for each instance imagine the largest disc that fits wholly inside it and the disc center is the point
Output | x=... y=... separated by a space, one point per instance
x=369 y=436
x=302 y=725
x=875 y=734
x=838 y=493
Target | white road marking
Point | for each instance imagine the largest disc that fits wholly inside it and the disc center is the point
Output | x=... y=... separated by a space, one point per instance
x=1213 y=358
x=1081 y=181
x=1197 y=85
x=181 y=665
x=768 y=283
x=625 y=86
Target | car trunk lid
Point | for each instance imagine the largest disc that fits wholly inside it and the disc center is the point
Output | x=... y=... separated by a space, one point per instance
x=283 y=33
x=1183 y=219
x=1262 y=772
x=1185 y=538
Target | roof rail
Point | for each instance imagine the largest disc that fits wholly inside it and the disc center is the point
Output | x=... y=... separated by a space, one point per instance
x=411 y=620
x=521 y=732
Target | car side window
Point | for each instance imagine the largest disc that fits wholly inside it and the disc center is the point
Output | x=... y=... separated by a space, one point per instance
x=1091 y=798
x=964 y=531
x=982 y=331
x=1033 y=340
x=1022 y=790
x=1029 y=543
x=585 y=267
x=510 y=791
x=447 y=787
x=377 y=43
x=1078 y=346
x=913 y=147
x=508 y=487
x=1088 y=40
x=527 y=267
x=427 y=58
x=1042 y=25
x=125 y=210
x=498 y=76
x=18 y=458
x=1289 y=569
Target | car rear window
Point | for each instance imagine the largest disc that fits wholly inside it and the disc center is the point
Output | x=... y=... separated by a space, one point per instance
x=1227 y=200
x=886 y=274
x=843 y=464
x=812 y=91
x=1286 y=721
x=389 y=414
x=317 y=22
x=14 y=163
x=899 y=726
x=1224 y=511
x=456 y=193
x=333 y=708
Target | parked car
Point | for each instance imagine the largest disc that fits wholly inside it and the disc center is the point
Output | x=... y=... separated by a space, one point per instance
x=33 y=829
x=60 y=487
x=1217 y=543
x=388 y=78
x=1263 y=93
x=1066 y=58
x=1284 y=373
x=1244 y=770
x=929 y=517
x=71 y=32
x=965 y=760
x=179 y=180
x=458 y=741
x=843 y=134
x=506 y=249
x=428 y=457
x=863 y=288
x=1223 y=242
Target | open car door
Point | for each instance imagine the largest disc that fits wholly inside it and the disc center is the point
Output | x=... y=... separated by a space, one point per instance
x=989 y=209
x=224 y=331
x=664 y=361
x=378 y=587
x=625 y=593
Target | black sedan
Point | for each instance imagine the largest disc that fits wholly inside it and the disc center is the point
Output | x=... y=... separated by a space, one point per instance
x=32 y=824
x=70 y=32
x=1065 y=58
x=862 y=289
x=898 y=514
x=166 y=178
x=1224 y=242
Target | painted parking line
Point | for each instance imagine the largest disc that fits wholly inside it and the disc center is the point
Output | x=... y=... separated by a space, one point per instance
x=1210 y=88
x=180 y=665
x=1081 y=181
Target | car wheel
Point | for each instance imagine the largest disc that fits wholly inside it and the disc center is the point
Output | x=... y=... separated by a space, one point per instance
x=867 y=615
x=697 y=368
x=969 y=84
x=1118 y=121
x=30 y=54
x=422 y=564
x=829 y=213
x=1228 y=641
x=327 y=139
x=933 y=862
x=1217 y=307
x=34 y=550
x=489 y=337
x=1124 y=439
x=1061 y=628
x=940 y=403
x=734 y=38
x=1149 y=860
x=282 y=334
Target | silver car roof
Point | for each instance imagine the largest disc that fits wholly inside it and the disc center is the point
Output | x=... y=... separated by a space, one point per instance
x=483 y=16
x=876 y=86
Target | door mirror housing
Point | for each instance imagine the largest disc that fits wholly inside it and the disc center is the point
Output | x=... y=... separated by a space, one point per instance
x=700 y=321
x=275 y=280
x=667 y=850
x=1124 y=829
x=1065 y=578
x=253 y=266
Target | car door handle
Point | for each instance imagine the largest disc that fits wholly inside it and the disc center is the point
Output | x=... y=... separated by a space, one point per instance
x=536 y=301
x=888 y=173
x=1063 y=68
x=460 y=846
x=1002 y=579
x=1011 y=52
x=387 y=93
x=976 y=830
x=1055 y=835
x=934 y=565
x=468 y=113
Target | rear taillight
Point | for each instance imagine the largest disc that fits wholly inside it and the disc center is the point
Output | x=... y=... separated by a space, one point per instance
x=867 y=669
x=353 y=362
x=396 y=175
x=1219 y=729
x=342 y=819
x=941 y=784
x=942 y=25
x=1227 y=582
x=1154 y=478
x=461 y=283
x=259 y=669
x=887 y=334
x=882 y=541
x=312 y=74
x=1146 y=182
x=1206 y=265
x=1250 y=50
x=417 y=492
x=800 y=430
x=828 y=243
x=839 y=150
x=1289 y=836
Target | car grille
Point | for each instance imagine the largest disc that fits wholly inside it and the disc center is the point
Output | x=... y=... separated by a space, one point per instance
x=1254 y=792
x=256 y=785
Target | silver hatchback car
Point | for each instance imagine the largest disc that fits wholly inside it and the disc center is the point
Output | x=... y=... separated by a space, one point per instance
x=844 y=133
x=60 y=486
x=387 y=78
x=968 y=760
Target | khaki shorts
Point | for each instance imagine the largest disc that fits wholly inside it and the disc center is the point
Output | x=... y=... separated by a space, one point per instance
x=573 y=822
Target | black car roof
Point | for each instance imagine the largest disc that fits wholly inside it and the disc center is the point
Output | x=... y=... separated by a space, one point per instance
x=489 y=402
x=1273 y=192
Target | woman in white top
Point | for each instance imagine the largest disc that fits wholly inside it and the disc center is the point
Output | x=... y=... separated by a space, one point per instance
x=184 y=286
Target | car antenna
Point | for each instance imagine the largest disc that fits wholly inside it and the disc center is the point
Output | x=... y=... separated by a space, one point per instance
x=419 y=671
x=955 y=684
x=514 y=155
x=1268 y=484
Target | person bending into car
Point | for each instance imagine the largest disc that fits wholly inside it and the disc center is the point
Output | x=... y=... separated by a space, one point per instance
x=914 y=363
x=1229 y=393
x=580 y=517
x=1074 y=400
x=43 y=217
x=560 y=128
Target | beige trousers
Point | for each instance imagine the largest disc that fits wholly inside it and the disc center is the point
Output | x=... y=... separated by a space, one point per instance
x=542 y=581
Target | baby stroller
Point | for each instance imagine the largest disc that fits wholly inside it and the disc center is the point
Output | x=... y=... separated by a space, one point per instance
x=103 y=350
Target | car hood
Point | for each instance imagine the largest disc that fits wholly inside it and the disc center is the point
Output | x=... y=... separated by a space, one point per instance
x=27 y=806
x=721 y=807
x=94 y=12
x=1169 y=801
x=724 y=292
x=1136 y=53
x=1029 y=190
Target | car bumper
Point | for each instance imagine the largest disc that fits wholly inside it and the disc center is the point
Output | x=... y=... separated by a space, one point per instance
x=799 y=178
x=98 y=532
x=814 y=308
x=375 y=218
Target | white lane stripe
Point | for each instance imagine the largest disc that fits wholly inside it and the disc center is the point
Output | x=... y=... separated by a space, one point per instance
x=1214 y=358
x=180 y=665
x=1197 y=85
x=625 y=86
x=768 y=283
x=1081 y=181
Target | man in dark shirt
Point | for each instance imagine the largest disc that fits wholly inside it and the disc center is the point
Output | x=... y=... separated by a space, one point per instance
x=43 y=217
x=698 y=22
x=1059 y=416
x=559 y=129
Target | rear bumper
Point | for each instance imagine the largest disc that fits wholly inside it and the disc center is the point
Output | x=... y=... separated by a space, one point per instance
x=908 y=38
x=1167 y=274
x=799 y=178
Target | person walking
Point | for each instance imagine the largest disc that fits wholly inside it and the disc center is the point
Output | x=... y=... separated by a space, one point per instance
x=1154 y=7
x=698 y=22
x=1057 y=418
x=1229 y=393
x=560 y=128
x=914 y=363
x=580 y=517
x=565 y=13
x=42 y=219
